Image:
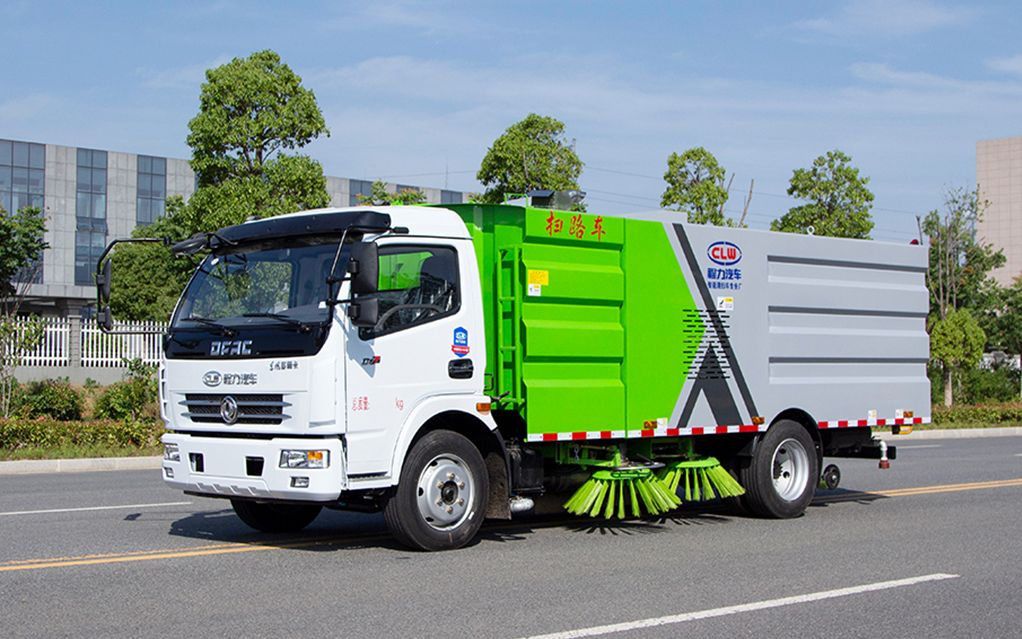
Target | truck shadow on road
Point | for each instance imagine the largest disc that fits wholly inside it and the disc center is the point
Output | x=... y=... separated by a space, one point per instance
x=335 y=530
x=826 y=497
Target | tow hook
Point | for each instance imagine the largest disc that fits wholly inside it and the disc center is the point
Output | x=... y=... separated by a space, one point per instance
x=884 y=462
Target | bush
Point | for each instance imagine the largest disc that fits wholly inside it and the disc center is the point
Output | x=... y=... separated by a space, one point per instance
x=50 y=398
x=48 y=433
x=134 y=398
x=986 y=414
x=989 y=385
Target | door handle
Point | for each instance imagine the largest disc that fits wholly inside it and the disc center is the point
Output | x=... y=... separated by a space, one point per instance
x=460 y=368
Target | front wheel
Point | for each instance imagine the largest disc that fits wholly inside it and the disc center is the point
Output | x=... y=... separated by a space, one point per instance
x=275 y=518
x=780 y=481
x=441 y=495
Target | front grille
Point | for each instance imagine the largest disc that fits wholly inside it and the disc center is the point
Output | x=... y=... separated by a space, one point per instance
x=204 y=408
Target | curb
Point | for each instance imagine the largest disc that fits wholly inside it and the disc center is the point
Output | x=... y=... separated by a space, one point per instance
x=37 y=466
x=953 y=433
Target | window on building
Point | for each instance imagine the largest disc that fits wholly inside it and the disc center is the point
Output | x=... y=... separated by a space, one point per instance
x=23 y=183
x=357 y=188
x=450 y=197
x=151 y=197
x=90 y=213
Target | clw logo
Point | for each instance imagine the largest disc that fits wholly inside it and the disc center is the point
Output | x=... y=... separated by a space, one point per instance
x=724 y=253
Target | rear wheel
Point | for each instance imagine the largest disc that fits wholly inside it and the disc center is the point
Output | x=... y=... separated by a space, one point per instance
x=780 y=481
x=441 y=495
x=275 y=518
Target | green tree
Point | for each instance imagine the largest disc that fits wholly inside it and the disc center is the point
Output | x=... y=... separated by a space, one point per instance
x=695 y=186
x=838 y=199
x=1005 y=331
x=253 y=115
x=531 y=154
x=960 y=264
x=21 y=246
x=379 y=196
x=956 y=343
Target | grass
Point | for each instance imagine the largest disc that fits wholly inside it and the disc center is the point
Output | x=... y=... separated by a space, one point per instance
x=71 y=451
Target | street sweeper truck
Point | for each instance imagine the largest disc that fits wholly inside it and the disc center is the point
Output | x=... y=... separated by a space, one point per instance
x=453 y=363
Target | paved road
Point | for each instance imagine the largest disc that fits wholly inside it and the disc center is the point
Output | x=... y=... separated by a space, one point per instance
x=930 y=548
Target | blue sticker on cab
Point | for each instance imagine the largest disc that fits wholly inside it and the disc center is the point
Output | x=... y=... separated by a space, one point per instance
x=460 y=345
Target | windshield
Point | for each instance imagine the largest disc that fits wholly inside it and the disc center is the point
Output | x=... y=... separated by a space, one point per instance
x=281 y=282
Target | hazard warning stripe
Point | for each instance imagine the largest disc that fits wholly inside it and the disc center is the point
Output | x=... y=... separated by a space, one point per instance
x=861 y=423
x=712 y=430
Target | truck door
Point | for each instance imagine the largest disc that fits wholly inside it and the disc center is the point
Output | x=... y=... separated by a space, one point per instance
x=421 y=347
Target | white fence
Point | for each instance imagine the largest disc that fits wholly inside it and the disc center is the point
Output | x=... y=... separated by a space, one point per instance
x=78 y=343
x=53 y=349
x=102 y=350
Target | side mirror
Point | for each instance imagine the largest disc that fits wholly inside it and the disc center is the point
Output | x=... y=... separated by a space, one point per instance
x=364 y=268
x=105 y=319
x=364 y=313
x=103 y=282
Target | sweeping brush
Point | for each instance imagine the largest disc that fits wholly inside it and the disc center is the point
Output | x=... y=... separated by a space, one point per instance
x=702 y=479
x=607 y=491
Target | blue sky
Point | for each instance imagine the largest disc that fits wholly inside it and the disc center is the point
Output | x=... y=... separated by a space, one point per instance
x=415 y=92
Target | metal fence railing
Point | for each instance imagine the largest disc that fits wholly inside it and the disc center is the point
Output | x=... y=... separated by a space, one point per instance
x=100 y=349
x=81 y=343
x=54 y=347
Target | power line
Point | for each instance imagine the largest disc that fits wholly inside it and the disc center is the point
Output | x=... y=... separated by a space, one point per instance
x=743 y=191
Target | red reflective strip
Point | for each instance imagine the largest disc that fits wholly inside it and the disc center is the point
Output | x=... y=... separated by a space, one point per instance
x=822 y=424
x=697 y=430
x=842 y=423
x=672 y=432
x=862 y=422
x=721 y=430
x=549 y=437
x=605 y=434
x=881 y=422
x=748 y=428
x=646 y=433
x=917 y=420
x=578 y=436
x=898 y=421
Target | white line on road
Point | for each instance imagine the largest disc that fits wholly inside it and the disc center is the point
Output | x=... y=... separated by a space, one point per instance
x=79 y=510
x=749 y=607
x=920 y=446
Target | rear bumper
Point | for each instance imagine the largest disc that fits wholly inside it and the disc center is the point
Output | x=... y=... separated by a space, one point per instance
x=227 y=470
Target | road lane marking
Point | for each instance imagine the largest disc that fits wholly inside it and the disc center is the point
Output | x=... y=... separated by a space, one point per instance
x=244 y=547
x=91 y=508
x=653 y=622
x=922 y=490
x=918 y=446
x=178 y=553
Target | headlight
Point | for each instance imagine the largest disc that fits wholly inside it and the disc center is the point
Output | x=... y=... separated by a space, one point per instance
x=304 y=458
x=171 y=453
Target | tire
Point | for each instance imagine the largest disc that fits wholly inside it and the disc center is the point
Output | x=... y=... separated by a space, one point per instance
x=441 y=495
x=781 y=479
x=275 y=518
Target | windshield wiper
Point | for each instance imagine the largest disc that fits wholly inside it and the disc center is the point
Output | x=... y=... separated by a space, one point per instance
x=224 y=330
x=283 y=318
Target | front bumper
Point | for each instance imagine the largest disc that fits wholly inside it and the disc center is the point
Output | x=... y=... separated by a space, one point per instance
x=227 y=468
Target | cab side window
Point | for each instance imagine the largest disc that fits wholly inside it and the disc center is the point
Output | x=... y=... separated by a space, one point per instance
x=417 y=284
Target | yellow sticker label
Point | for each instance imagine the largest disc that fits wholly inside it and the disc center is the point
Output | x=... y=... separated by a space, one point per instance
x=539 y=277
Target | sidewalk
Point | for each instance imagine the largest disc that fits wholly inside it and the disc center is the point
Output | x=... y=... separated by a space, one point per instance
x=29 y=467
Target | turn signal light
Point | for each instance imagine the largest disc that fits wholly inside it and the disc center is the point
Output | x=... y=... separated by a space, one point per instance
x=483 y=407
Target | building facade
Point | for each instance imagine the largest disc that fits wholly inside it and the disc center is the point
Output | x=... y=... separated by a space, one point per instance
x=91 y=196
x=999 y=183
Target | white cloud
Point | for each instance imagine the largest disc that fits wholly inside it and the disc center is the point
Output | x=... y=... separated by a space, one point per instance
x=184 y=77
x=25 y=107
x=1011 y=65
x=887 y=18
